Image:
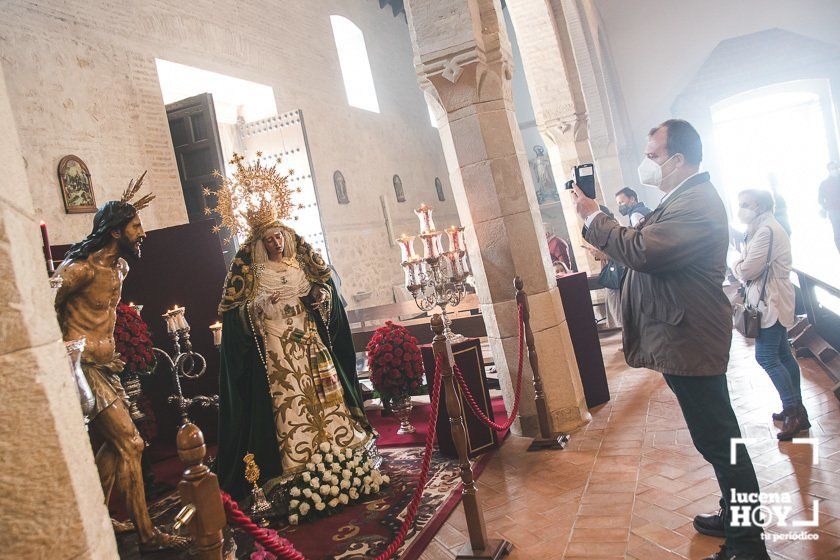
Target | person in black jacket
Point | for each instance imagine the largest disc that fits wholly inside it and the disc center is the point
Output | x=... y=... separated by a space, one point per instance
x=677 y=319
x=629 y=205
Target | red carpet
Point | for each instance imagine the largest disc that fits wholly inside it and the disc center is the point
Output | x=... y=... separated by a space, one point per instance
x=365 y=529
x=387 y=425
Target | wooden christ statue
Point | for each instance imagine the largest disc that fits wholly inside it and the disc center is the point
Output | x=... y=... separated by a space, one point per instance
x=92 y=276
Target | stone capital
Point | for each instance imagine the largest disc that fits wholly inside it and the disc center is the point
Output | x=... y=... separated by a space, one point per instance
x=461 y=82
x=569 y=127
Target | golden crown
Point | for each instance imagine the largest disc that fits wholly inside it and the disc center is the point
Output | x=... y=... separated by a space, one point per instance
x=256 y=197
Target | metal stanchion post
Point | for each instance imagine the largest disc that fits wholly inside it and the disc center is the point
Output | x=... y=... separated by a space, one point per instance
x=479 y=547
x=547 y=439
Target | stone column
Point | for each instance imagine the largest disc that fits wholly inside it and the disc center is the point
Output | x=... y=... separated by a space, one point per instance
x=462 y=56
x=569 y=98
x=51 y=503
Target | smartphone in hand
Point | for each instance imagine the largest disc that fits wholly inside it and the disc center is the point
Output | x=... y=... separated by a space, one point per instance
x=584 y=178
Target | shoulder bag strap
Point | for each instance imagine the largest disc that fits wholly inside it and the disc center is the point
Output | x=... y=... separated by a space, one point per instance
x=766 y=266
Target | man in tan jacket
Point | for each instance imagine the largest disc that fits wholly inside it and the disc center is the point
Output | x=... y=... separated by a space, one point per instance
x=677 y=319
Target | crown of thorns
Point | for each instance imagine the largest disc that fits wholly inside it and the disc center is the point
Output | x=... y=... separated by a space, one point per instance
x=129 y=193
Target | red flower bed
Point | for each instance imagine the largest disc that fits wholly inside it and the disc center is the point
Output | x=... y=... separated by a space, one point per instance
x=134 y=341
x=396 y=366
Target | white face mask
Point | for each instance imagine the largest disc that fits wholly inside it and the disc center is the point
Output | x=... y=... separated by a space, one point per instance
x=650 y=172
x=746 y=215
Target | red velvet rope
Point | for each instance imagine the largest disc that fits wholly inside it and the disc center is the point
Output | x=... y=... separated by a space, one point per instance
x=424 y=470
x=272 y=542
x=284 y=550
x=471 y=399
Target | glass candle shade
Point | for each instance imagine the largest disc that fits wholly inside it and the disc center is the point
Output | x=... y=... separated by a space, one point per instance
x=181 y=318
x=412 y=269
x=406 y=243
x=431 y=245
x=453 y=264
x=464 y=264
x=424 y=214
x=216 y=330
x=438 y=243
x=171 y=327
x=455 y=237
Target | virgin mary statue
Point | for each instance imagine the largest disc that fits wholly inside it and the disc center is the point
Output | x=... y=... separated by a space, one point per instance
x=287 y=381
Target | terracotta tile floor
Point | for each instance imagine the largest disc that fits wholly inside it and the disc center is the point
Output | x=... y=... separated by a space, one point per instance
x=631 y=481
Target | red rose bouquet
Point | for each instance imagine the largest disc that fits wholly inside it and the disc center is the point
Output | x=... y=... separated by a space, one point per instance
x=133 y=341
x=396 y=367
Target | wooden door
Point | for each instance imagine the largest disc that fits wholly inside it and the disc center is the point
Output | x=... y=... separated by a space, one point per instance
x=198 y=151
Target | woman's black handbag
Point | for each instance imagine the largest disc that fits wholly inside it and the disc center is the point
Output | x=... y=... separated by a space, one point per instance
x=745 y=317
x=611 y=275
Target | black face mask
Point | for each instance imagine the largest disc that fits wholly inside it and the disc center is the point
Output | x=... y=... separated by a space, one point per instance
x=623 y=209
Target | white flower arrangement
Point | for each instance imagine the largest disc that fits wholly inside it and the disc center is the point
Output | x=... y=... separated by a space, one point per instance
x=333 y=478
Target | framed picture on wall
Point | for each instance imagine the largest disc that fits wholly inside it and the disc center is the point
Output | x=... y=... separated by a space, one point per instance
x=76 y=186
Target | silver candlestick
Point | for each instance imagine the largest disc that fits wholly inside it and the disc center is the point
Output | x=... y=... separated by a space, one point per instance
x=438 y=278
x=186 y=364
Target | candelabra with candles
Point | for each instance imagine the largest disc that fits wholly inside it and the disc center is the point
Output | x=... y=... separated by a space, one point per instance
x=186 y=364
x=438 y=278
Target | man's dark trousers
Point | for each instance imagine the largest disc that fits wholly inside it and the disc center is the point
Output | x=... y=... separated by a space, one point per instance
x=708 y=413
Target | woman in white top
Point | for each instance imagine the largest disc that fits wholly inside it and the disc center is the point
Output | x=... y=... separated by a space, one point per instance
x=772 y=349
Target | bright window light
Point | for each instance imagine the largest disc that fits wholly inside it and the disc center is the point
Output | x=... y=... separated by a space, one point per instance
x=355 y=66
x=780 y=131
x=232 y=96
x=827 y=300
